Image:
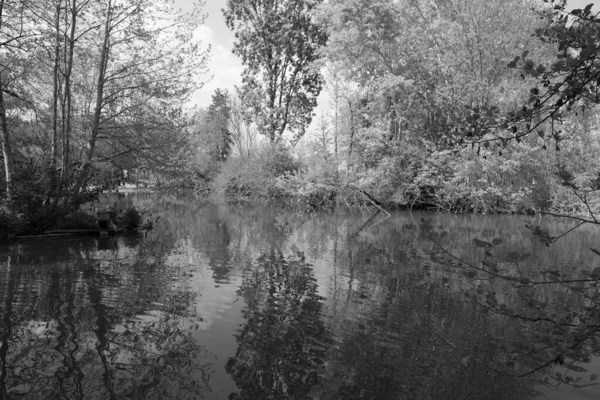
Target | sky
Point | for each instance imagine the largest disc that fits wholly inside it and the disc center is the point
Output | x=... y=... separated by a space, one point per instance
x=225 y=68
x=582 y=3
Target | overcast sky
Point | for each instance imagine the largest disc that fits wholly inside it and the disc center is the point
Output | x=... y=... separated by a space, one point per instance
x=225 y=68
x=581 y=3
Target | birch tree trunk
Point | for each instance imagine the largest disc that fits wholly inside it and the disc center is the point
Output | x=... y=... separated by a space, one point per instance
x=67 y=107
x=102 y=65
x=6 y=151
x=55 y=92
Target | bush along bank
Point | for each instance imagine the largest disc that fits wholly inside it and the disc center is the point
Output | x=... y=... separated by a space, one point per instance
x=451 y=181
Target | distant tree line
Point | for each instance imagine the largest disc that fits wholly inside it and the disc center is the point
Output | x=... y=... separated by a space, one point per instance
x=92 y=91
x=460 y=105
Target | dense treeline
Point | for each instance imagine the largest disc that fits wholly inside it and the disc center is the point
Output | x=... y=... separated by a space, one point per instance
x=459 y=105
x=92 y=95
x=449 y=105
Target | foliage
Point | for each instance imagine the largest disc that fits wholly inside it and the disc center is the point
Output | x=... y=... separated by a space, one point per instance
x=431 y=104
x=219 y=117
x=211 y=135
x=562 y=333
x=131 y=218
x=565 y=84
x=94 y=94
x=278 y=42
x=78 y=220
x=243 y=132
x=8 y=222
x=257 y=175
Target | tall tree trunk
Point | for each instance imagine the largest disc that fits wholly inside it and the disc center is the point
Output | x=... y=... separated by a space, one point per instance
x=102 y=65
x=351 y=144
x=6 y=151
x=64 y=178
x=335 y=129
x=55 y=91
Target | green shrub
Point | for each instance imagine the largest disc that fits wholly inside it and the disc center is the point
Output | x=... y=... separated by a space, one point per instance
x=131 y=219
x=77 y=220
x=256 y=176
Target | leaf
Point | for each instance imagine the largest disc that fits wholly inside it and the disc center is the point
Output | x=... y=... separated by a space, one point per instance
x=587 y=51
x=575 y=368
x=553 y=278
x=572 y=62
x=524 y=281
x=594 y=251
x=593 y=377
x=596 y=272
x=481 y=243
x=470 y=274
x=524 y=256
x=529 y=64
x=541 y=133
x=497 y=241
x=513 y=256
x=558 y=66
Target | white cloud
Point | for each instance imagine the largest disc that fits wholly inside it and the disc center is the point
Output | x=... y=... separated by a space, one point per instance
x=203 y=34
x=226 y=70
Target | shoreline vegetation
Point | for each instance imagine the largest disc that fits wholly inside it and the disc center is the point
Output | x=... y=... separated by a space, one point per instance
x=457 y=106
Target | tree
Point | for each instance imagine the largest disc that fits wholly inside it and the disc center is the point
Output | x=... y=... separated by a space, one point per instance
x=219 y=115
x=243 y=133
x=563 y=88
x=136 y=89
x=211 y=135
x=90 y=88
x=416 y=66
x=11 y=47
x=419 y=62
x=278 y=42
x=565 y=85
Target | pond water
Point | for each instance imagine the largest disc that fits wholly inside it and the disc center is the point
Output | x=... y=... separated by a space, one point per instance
x=255 y=302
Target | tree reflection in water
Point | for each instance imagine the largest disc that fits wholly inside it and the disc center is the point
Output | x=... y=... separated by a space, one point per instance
x=89 y=328
x=390 y=338
x=324 y=307
x=284 y=340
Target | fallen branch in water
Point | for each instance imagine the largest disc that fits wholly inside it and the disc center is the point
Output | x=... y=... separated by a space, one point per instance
x=370 y=198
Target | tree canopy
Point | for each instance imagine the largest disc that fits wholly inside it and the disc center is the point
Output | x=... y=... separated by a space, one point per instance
x=90 y=89
x=278 y=42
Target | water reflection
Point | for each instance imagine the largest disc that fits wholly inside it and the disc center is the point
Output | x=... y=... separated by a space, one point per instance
x=80 y=322
x=258 y=303
x=283 y=341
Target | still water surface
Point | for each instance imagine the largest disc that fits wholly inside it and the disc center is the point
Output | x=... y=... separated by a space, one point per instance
x=226 y=302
